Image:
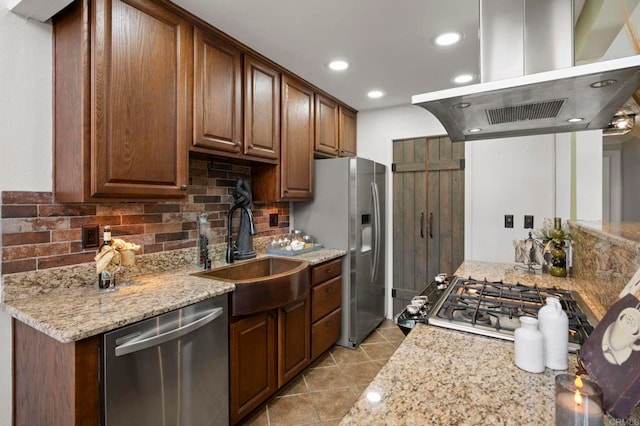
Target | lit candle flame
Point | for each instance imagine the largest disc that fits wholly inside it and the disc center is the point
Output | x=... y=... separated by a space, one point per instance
x=577 y=398
x=578 y=382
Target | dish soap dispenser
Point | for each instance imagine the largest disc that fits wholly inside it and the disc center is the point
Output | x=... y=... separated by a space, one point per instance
x=554 y=325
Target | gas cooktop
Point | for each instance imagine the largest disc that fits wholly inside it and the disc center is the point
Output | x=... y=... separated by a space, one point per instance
x=494 y=308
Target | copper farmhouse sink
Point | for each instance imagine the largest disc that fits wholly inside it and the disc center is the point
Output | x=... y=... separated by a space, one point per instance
x=263 y=284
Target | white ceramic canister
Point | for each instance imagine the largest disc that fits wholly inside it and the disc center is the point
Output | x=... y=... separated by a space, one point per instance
x=554 y=325
x=529 y=346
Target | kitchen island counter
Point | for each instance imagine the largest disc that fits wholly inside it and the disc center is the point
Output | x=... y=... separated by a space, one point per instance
x=74 y=311
x=440 y=376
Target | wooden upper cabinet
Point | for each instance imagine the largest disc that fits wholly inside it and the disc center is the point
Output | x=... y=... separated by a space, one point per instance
x=261 y=109
x=121 y=81
x=217 y=112
x=296 y=162
x=326 y=141
x=348 y=143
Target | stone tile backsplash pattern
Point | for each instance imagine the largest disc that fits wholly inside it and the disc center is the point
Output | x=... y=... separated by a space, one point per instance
x=39 y=234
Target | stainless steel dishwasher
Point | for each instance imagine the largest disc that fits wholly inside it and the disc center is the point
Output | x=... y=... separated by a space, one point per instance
x=170 y=370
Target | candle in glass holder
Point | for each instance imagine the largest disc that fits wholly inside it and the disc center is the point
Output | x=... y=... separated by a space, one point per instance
x=578 y=401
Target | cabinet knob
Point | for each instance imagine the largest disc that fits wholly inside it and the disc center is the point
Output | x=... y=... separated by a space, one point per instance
x=238 y=144
x=330 y=290
x=286 y=190
x=183 y=187
x=251 y=146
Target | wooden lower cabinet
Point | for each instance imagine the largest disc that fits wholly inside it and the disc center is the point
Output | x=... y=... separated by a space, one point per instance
x=54 y=383
x=294 y=342
x=326 y=301
x=252 y=355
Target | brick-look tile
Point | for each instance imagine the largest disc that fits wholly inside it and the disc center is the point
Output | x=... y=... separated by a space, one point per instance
x=187 y=226
x=172 y=236
x=197 y=172
x=26 y=238
x=19 y=210
x=157 y=228
x=192 y=208
x=118 y=209
x=206 y=199
x=26 y=197
x=34 y=250
x=124 y=230
x=141 y=218
x=179 y=217
x=217 y=207
x=141 y=239
x=34 y=224
x=50 y=210
x=176 y=245
x=66 y=235
x=152 y=248
x=69 y=259
x=161 y=208
x=197 y=187
x=14 y=266
x=77 y=222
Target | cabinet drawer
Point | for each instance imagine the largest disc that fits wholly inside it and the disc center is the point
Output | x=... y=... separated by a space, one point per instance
x=326 y=271
x=325 y=298
x=325 y=333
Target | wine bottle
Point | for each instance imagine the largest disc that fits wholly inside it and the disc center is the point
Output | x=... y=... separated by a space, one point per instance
x=105 y=278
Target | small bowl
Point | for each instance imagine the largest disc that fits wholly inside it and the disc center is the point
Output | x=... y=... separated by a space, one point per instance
x=412 y=309
x=419 y=303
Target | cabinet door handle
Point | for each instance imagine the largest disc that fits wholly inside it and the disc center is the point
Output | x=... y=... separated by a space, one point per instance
x=431 y=225
x=421 y=224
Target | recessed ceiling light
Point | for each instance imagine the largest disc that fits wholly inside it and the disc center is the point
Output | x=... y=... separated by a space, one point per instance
x=575 y=120
x=338 y=65
x=475 y=130
x=463 y=78
x=447 y=39
x=374 y=94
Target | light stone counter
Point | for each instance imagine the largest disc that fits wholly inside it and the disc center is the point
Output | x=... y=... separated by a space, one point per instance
x=446 y=377
x=75 y=308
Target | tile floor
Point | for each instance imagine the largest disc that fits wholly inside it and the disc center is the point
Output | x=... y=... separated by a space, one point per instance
x=324 y=393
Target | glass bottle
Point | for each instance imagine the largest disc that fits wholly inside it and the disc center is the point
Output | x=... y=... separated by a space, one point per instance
x=105 y=278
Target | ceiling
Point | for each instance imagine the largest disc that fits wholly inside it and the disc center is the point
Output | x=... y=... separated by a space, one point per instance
x=388 y=43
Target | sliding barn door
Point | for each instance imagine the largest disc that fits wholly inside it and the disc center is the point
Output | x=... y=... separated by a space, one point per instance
x=428 y=213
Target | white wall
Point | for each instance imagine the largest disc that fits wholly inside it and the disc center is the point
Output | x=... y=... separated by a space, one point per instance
x=376 y=131
x=25 y=135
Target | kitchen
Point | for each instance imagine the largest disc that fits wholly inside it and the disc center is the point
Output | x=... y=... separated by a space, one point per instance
x=27 y=135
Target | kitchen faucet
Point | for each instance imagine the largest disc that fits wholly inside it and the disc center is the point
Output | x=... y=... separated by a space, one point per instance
x=243 y=249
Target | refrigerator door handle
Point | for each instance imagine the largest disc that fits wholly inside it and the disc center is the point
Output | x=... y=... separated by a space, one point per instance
x=376 y=238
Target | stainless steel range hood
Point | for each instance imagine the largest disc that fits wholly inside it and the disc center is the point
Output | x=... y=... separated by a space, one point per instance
x=536 y=103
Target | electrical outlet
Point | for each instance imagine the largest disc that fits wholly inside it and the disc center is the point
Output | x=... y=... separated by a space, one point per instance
x=273 y=219
x=90 y=237
x=508 y=221
x=528 y=221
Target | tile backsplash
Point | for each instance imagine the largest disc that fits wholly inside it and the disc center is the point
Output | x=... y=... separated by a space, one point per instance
x=38 y=233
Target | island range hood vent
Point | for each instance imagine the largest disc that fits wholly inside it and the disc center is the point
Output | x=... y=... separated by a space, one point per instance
x=534 y=88
x=532 y=111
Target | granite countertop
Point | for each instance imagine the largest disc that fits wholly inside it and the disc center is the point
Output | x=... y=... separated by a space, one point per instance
x=73 y=313
x=441 y=376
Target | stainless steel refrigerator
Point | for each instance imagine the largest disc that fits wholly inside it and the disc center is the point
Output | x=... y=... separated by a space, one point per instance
x=348 y=212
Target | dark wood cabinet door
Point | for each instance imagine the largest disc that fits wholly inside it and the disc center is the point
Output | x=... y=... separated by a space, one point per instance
x=348 y=135
x=261 y=109
x=296 y=161
x=325 y=333
x=428 y=213
x=252 y=359
x=139 y=99
x=294 y=340
x=326 y=140
x=217 y=111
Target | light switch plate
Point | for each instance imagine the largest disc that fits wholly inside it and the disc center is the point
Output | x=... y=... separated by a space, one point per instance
x=90 y=238
x=528 y=221
x=273 y=219
x=508 y=221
